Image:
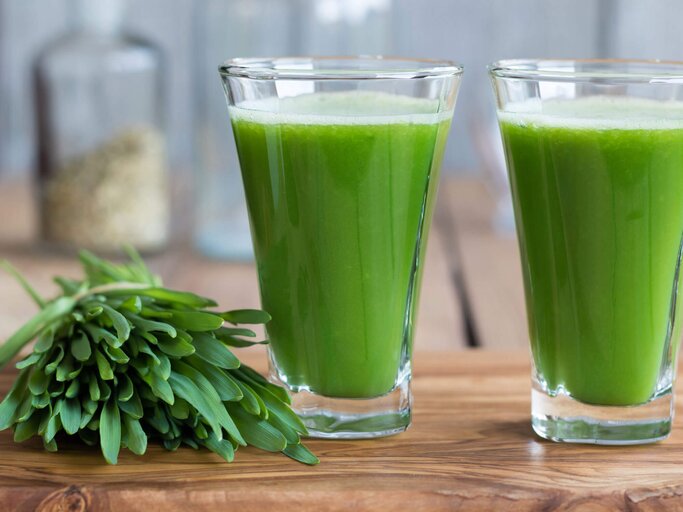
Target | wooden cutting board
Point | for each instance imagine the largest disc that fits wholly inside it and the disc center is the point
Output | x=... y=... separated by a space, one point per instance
x=470 y=448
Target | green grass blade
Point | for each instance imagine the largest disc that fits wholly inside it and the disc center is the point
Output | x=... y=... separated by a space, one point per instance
x=196 y=321
x=103 y=366
x=175 y=347
x=226 y=387
x=120 y=322
x=110 y=432
x=28 y=428
x=51 y=313
x=211 y=395
x=80 y=347
x=257 y=432
x=38 y=382
x=71 y=415
x=7 y=266
x=300 y=453
x=246 y=316
x=214 y=352
x=10 y=405
x=137 y=439
x=223 y=447
x=186 y=389
x=133 y=407
x=29 y=360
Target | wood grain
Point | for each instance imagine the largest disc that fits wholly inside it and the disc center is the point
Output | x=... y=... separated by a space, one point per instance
x=488 y=265
x=470 y=448
x=439 y=323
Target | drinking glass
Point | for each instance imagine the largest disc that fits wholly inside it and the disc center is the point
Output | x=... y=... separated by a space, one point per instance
x=594 y=150
x=340 y=161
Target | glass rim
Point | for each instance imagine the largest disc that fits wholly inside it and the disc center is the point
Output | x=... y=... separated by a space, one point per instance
x=592 y=70
x=385 y=68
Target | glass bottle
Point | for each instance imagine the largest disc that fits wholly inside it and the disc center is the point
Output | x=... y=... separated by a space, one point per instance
x=102 y=166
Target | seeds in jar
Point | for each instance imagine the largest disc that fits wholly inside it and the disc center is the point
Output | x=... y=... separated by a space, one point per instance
x=112 y=195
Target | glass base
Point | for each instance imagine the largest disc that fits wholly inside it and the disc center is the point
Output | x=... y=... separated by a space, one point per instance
x=354 y=418
x=563 y=419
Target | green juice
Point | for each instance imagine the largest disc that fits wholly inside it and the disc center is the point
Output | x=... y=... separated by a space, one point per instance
x=597 y=185
x=340 y=189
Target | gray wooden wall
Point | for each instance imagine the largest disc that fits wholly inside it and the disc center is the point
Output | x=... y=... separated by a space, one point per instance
x=471 y=32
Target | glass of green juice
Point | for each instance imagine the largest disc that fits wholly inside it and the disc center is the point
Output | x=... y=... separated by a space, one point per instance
x=340 y=162
x=594 y=151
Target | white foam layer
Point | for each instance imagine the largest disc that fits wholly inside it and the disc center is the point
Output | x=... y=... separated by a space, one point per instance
x=596 y=113
x=341 y=108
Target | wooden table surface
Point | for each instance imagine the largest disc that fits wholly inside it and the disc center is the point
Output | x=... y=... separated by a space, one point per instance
x=487 y=263
x=470 y=448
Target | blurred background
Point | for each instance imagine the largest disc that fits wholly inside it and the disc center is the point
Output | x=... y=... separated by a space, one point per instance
x=195 y=35
x=108 y=88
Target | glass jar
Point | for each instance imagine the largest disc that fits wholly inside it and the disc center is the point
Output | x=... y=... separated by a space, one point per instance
x=101 y=145
x=258 y=28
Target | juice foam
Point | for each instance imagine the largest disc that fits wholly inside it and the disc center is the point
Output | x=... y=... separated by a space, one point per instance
x=341 y=108
x=596 y=113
